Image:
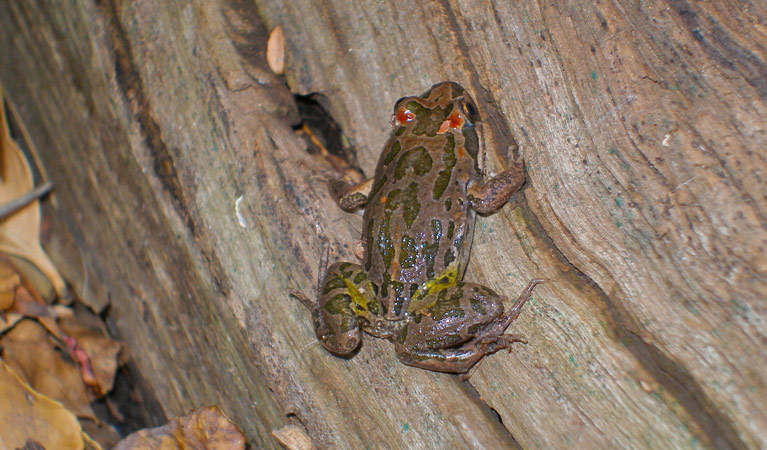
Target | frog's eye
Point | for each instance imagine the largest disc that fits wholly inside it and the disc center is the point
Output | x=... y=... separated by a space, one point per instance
x=402 y=116
x=469 y=111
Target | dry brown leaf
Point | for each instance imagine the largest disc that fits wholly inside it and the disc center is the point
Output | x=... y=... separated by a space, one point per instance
x=92 y=444
x=103 y=434
x=206 y=428
x=14 y=297
x=27 y=305
x=28 y=349
x=8 y=321
x=9 y=280
x=20 y=232
x=293 y=437
x=275 y=50
x=32 y=278
x=101 y=350
x=105 y=350
x=25 y=415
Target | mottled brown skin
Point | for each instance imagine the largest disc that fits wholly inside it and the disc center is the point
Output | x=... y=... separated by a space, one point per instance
x=417 y=233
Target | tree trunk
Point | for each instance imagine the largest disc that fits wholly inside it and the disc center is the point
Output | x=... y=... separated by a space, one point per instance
x=194 y=207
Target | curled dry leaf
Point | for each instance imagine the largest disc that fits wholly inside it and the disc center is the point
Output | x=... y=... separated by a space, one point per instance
x=83 y=337
x=20 y=232
x=26 y=414
x=202 y=428
x=33 y=279
x=99 y=352
x=16 y=301
x=275 y=50
x=28 y=349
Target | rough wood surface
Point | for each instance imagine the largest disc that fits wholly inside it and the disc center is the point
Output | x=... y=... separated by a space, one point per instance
x=643 y=128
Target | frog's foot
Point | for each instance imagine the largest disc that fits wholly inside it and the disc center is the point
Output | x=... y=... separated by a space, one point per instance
x=490 y=347
x=509 y=316
x=491 y=344
x=511 y=338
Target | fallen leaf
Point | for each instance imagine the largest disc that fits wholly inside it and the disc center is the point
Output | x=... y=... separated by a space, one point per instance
x=20 y=232
x=27 y=305
x=105 y=350
x=33 y=279
x=102 y=351
x=28 y=349
x=9 y=320
x=275 y=50
x=206 y=428
x=26 y=416
x=105 y=435
x=9 y=279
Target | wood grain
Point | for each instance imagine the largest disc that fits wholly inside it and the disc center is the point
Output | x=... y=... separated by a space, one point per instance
x=644 y=133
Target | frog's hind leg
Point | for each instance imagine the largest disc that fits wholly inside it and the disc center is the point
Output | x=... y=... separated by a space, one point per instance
x=460 y=326
x=440 y=335
x=335 y=321
x=497 y=328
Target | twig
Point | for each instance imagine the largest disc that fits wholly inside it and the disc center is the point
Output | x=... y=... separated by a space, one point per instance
x=14 y=205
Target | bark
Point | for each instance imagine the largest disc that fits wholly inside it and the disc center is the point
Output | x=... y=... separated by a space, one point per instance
x=194 y=206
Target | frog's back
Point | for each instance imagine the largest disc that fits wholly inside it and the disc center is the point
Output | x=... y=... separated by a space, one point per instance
x=418 y=224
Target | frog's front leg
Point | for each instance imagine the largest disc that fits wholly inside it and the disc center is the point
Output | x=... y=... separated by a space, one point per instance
x=349 y=196
x=345 y=293
x=459 y=326
x=489 y=196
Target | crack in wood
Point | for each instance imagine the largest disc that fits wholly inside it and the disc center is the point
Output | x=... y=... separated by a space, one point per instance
x=722 y=48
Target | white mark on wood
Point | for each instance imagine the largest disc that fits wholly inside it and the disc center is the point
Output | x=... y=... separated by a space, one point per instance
x=240 y=218
x=310 y=344
x=684 y=183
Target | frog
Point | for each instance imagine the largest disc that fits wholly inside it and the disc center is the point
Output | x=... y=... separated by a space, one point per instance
x=418 y=223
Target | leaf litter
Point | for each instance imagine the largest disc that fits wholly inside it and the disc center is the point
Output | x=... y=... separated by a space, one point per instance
x=56 y=358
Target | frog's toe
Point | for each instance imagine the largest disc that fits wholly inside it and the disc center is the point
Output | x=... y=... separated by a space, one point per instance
x=303 y=298
x=511 y=338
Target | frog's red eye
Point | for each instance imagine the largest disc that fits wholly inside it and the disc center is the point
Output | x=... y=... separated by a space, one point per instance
x=454 y=121
x=403 y=116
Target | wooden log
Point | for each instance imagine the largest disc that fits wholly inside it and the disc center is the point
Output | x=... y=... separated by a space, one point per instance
x=195 y=207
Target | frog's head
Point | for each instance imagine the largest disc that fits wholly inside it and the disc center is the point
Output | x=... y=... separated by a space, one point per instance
x=444 y=107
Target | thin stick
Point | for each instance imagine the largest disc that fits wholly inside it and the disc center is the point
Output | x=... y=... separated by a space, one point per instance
x=15 y=205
